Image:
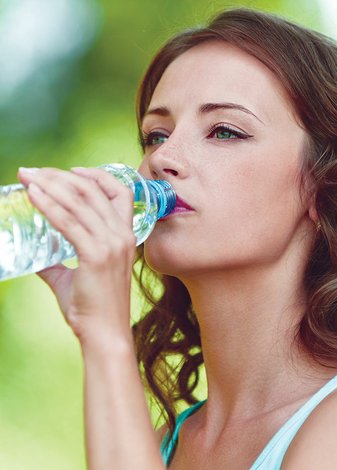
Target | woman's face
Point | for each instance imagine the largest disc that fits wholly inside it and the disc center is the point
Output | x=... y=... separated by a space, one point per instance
x=221 y=130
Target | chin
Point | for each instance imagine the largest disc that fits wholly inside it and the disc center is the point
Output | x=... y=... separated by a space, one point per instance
x=159 y=264
x=165 y=261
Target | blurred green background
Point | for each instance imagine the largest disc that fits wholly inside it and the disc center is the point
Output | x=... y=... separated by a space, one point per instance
x=69 y=70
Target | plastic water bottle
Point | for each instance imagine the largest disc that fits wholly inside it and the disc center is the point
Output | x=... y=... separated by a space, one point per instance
x=29 y=243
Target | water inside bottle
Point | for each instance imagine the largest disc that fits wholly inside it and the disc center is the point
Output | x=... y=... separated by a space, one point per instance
x=27 y=241
x=144 y=219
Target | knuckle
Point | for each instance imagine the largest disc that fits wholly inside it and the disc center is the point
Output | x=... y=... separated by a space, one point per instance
x=75 y=203
x=130 y=240
x=126 y=193
x=103 y=178
x=65 y=220
x=118 y=247
x=117 y=250
x=89 y=192
x=88 y=186
x=101 y=258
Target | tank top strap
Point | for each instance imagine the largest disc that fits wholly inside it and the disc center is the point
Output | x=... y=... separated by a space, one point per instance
x=168 y=445
x=274 y=452
x=272 y=455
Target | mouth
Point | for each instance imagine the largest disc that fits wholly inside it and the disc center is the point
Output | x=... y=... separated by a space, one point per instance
x=181 y=204
x=180 y=207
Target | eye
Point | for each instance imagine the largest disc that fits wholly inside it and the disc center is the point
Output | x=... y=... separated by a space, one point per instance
x=153 y=138
x=223 y=132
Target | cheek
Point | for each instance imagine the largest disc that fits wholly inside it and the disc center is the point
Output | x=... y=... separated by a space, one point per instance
x=256 y=210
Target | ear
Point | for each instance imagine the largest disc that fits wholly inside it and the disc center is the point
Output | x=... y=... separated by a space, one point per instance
x=310 y=190
x=313 y=215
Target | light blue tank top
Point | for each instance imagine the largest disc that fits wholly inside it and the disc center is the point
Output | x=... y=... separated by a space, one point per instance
x=272 y=455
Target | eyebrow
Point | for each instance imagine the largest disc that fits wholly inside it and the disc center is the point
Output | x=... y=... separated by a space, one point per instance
x=203 y=109
x=210 y=107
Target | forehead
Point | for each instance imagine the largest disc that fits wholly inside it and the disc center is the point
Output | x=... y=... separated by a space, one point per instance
x=215 y=71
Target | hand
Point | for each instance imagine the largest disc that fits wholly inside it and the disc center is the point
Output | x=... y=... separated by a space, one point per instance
x=94 y=212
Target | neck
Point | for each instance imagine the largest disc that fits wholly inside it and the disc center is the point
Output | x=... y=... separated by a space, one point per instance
x=248 y=320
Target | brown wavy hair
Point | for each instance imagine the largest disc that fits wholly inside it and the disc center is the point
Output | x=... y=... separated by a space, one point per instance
x=305 y=62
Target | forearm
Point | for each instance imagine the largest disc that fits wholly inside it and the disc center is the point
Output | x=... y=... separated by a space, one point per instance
x=94 y=212
x=119 y=432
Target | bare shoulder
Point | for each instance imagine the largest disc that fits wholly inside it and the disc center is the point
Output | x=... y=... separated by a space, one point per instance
x=315 y=444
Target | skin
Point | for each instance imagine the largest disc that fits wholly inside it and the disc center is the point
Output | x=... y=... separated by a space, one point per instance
x=94 y=212
x=241 y=252
x=243 y=191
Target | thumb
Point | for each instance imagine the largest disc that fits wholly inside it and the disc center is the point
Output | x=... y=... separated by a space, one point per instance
x=54 y=276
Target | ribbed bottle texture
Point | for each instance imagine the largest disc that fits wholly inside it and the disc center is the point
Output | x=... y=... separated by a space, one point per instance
x=29 y=243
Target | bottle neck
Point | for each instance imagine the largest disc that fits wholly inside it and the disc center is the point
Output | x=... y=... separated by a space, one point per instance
x=166 y=197
x=163 y=191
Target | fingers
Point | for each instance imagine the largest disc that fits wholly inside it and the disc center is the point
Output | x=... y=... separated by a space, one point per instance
x=60 y=218
x=81 y=207
x=97 y=190
x=113 y=189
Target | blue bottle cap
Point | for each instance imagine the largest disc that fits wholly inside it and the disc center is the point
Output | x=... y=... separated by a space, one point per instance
x=166 y=197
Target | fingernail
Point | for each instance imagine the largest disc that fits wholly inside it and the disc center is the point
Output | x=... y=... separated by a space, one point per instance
x=23 y=169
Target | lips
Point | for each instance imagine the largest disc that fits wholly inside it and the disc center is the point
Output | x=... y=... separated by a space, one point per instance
x=180 y=207
x=181 y=204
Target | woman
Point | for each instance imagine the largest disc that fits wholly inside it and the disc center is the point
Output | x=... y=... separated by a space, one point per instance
x=241 y=118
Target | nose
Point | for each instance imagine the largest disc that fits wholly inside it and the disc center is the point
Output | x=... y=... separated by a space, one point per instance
x=167 y=161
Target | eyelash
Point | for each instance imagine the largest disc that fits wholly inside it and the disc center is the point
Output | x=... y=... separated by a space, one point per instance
x=146 y=137
x=223 y=127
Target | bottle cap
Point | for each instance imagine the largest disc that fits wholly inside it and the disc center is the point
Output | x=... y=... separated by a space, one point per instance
x=166 y=197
